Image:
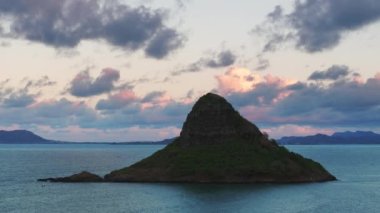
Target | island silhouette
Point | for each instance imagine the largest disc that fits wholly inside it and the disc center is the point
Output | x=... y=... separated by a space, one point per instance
x=216 y=145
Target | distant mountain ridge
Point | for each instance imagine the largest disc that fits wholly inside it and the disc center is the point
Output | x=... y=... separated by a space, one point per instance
x=21 y=137
x=348 y=137
x=28 y=137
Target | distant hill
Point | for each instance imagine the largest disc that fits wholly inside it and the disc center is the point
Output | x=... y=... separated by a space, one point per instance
x=27 y=137
x=358 y=137
x=21 y=137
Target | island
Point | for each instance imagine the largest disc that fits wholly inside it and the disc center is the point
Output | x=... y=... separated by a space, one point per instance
x=80 y=177
x=218 y=145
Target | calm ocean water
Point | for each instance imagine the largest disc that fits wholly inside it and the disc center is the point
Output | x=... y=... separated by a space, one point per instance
x=356 y=167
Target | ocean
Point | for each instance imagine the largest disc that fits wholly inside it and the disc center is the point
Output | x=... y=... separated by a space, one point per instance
x=356 y=166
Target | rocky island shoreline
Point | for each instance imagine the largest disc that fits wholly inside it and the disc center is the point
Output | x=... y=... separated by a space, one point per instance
x=216 y=145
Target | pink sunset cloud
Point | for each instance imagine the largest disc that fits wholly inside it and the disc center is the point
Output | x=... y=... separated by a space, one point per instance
x=237 y=80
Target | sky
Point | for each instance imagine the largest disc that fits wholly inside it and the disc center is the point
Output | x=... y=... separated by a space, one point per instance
x=130 y=70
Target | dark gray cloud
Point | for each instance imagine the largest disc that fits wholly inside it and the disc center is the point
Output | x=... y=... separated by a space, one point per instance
x=11 y=97
x=276 y=14
x=152 y=96
x=181 y=4
x=297 y=86
x=335 y=72
x=18 y=99
x=317 y=25
x=4 y=88
x=221 y=59
x=44 y=81
x=342 y=103
x=112 y=103
x=53 y=113
x=66 y=23
x=163 y=43
x=344 y=97
x=190 y=94
x=263 y=63
x=83 y=85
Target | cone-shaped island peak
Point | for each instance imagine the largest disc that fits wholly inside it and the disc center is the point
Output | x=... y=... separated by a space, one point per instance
x=213 y=120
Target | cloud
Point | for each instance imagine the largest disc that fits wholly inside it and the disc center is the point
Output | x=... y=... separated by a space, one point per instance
x=55 y=113
x=318 y=25
x=276 y=14
x=263 y=63
x=65 y=23
x=297 y=86
x=272 y=101
x=19 y=99
x=83 y=85
x=265 y=93
x=181 y=4
x=237 y=79
x=117 y=101
x=155 y=109
x=243 y=87
x=221 y=59
x=347 y=97
x=11 y=97
x=163 y=43
x=155 y=112
x=277 y=104
x=77 y=121
x=44 y=81
x=333 y=73
x=153 y=96
x=63 y=109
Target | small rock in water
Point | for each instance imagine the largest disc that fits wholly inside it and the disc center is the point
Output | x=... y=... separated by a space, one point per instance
x=76 y=178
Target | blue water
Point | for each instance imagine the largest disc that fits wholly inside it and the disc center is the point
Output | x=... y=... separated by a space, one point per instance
x=356 y=167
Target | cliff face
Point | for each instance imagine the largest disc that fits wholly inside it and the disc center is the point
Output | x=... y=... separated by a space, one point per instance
x=217 y=145
x=213 y=120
